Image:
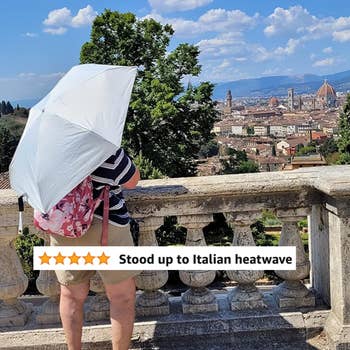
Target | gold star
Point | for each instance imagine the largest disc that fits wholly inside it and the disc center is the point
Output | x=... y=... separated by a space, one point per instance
x=45 y=259
x=59 y=258
x=88 y=258
x=74 y=258
x=103 y=258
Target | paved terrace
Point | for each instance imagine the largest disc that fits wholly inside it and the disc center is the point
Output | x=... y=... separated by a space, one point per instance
x=288 y=316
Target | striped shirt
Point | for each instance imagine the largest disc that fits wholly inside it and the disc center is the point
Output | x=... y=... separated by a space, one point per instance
x=115 y=171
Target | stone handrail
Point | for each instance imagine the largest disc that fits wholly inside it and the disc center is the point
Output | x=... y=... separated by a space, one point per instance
x=321 y=193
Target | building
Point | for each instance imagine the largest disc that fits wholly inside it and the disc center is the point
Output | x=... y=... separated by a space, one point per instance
x=306 y=162
x=291 y=99
x=278 y=130
x=228 y=103
x=238 y=130
x=273 y=103
x=261 y=130
x=326 y=96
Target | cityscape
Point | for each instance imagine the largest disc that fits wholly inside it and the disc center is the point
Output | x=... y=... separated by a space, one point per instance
x=278 y=133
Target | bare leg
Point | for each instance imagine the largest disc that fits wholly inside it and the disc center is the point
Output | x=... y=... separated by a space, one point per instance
x=122 y=310
x=71 y=311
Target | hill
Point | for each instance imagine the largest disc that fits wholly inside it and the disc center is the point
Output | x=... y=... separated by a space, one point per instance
x=278 y=85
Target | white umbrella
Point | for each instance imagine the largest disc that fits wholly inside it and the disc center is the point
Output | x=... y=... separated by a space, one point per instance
x=71 y=132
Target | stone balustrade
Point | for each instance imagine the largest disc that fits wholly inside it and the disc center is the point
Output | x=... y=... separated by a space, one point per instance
x=322 y=194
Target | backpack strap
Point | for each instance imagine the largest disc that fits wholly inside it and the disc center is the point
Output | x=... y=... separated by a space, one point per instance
x=104 y=236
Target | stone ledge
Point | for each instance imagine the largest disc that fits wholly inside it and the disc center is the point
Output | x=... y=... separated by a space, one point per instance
x=250 y=332
x=262 y=329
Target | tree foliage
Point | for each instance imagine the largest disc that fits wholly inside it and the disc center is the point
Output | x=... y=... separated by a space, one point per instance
x=6 y=108
x=8 y=144
x=328 y=147
x=236 y=162
x=344 y=131
x=166 y=123
x=209 y=150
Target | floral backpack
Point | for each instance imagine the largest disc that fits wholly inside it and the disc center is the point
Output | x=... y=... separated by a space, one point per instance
x=72 y=215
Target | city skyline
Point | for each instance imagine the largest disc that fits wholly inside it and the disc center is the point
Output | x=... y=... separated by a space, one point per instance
x=236 y=40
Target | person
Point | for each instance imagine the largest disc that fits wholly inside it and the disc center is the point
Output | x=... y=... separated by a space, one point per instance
x=119 y=172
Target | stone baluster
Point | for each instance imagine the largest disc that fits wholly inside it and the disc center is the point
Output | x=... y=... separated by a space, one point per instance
x=98 y=307
x=198 y=298
x=292 y=292
x=13 y=282
x=246 y=295
x=48 y=285
x=336 y=215
x=151 y=301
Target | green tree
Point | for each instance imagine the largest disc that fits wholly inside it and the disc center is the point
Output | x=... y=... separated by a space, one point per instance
x=9 y=108
x=306 y=150
x=3 y=107
x=166 y=123
x=147 y=170
x=8 y=144
x=209 y=150
x=273 y=150
x=344 y=131
x=328 y=147
x=247 y=166
x=236 y=162
x=250 y=130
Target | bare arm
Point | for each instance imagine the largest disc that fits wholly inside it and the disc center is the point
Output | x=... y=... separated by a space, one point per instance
x=133 y=181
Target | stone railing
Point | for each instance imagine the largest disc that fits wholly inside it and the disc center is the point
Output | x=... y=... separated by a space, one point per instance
x=322 y=194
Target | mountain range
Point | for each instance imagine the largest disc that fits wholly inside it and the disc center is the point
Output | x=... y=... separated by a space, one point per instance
x=265 y=86
x=278 y=85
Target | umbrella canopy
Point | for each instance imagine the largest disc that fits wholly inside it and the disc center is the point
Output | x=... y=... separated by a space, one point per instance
x=71 y=132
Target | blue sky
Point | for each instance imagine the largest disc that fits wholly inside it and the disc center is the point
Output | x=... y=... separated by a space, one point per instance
x=238 y=39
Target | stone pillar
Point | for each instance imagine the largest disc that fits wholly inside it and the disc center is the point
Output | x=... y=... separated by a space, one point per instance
x=337 y=326
x=48 y=285
x=152 y=301
x=98 y=307
x=13 y=282
x=292 y=292
x=198 y=298
x=246 y=295
x=319 y=251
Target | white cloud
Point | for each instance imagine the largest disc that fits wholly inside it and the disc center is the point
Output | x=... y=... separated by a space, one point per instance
x=177 y=5
x=342 y=36
x=58 y=21
x=225 y=63
x=84 y=17
x=55 y=31
x=324 y=63
x=30 y=35
x=292 y=44
x=59 y=17
x=28 y=85
x=297 y=21
x=294 y=19
x=214 y=20
x=327 y=50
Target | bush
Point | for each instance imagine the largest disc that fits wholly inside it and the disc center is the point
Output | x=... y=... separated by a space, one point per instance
x=24 y=246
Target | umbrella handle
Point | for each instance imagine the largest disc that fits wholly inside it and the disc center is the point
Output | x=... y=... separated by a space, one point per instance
x=20 y=217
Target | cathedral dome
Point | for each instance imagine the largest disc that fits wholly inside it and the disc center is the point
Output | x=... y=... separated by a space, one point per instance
x=274 y=102
x=326 y=90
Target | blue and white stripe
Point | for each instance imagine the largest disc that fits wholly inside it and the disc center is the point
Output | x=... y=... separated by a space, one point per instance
x=115 y=171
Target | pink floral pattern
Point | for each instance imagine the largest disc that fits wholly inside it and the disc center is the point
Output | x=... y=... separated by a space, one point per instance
x=72 y=215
